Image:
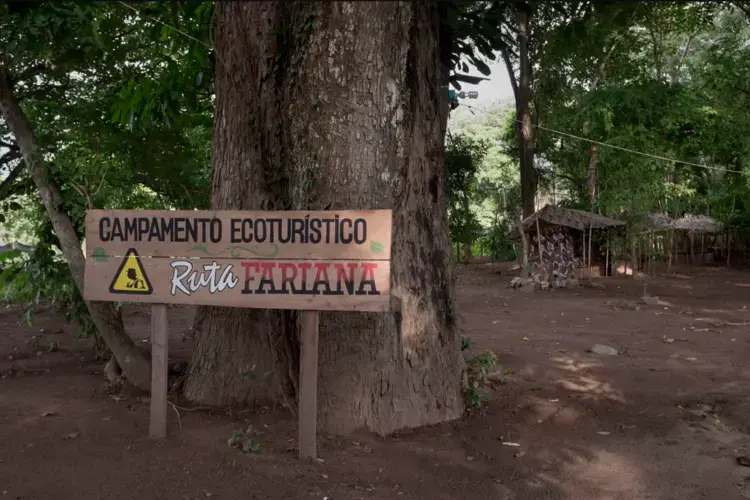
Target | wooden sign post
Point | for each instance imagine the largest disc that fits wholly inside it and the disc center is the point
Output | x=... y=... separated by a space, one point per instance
x=310 y=261
x=308 y=385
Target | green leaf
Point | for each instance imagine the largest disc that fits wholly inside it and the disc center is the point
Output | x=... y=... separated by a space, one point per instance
x=10 y=254
x=100 y=255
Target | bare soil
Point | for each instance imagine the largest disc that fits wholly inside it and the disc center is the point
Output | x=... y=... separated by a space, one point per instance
x=664 y=419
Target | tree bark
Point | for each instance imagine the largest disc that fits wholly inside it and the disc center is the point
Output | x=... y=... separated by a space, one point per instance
x=634 y=255
x=729 y=247
x=524 y=248
x=523 y=115
x=343 y=112
x=107 y=318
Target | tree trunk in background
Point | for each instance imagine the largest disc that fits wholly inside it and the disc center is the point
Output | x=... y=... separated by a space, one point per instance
x=524 y=249
x=669 y=244
x=340 y=113
x=592 y=177
x=468 y=253
x=729 y=247
x=107 y=318
x=523 y=115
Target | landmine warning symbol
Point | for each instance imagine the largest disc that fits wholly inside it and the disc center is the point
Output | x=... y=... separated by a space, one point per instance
x=131 y=278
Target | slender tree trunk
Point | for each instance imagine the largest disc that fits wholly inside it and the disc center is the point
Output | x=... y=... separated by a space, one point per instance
x=669 y=244
x=592 y=174
x=606 y=263
x=341 y=115
x=692 y=249
x=523 y=114
x=524 y=248
x=729 y=247
x=107 y=318
x=589 y=251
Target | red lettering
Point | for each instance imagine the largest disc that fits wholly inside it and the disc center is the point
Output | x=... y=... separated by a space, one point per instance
x=268 y=270
x=341 y=274
x=368 y=269
x=321 y=278
x=286 y=278
x=248 y=278
x=247 y=266
x=304 y=267
x=321 y=270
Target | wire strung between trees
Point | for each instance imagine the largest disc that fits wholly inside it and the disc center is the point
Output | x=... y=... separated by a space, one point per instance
x=558 y=132
x=627 y=150
x=150 y=18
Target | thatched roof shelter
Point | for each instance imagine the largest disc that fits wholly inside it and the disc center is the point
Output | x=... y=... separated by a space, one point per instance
x=702 y=223
x=652 y=222
x=568 y=217
x=15 y=246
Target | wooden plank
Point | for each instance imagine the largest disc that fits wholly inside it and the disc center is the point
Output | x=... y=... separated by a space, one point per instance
x=343 y=285
x=159 y=350
x=308 y=385
x=345 y=234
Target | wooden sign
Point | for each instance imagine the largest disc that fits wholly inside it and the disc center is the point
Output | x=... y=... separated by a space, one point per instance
x=272 y=260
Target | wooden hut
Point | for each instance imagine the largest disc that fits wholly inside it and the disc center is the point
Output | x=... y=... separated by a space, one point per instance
x=559 y=242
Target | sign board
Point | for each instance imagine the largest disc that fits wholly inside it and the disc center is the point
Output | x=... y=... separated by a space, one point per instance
x=333 y=260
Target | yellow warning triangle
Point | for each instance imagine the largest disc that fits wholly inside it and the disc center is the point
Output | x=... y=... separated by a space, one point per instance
x=131 y=278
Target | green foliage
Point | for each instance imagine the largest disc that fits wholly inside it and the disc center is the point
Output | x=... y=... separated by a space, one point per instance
x=242 y=440
x=496 y=244
x=666 y=80
x=495 y=194
x=121 y=101
x=479 y=369
x=463 y=157
x=43 y=276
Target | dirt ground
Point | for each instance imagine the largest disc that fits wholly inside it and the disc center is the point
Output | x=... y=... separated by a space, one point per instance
x=664 y=419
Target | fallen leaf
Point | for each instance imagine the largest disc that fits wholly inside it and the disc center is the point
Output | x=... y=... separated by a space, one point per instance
x=73 y=435
x=603 y=433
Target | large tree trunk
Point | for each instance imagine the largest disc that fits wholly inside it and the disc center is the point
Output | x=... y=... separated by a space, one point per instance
x=107 y=318
x=342 y=112
x=523 y=115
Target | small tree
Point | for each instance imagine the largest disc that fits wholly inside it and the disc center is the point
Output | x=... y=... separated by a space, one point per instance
x=463 y=158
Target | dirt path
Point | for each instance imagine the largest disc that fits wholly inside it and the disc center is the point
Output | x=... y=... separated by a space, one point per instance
x=664 y=419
